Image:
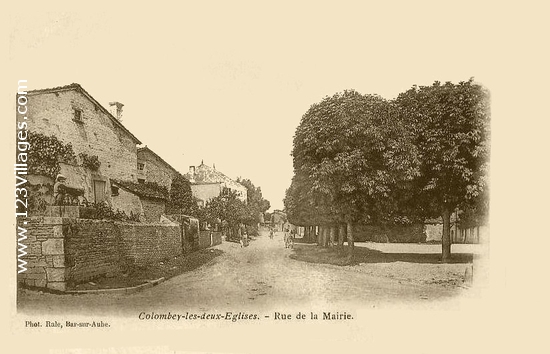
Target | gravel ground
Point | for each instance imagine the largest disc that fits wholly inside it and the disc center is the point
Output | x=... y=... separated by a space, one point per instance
x=266 y=277
x=415 y=263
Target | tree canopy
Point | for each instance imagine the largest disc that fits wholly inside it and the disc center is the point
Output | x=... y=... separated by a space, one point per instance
x=361 y=158
x=351 y=152
x=451 y=132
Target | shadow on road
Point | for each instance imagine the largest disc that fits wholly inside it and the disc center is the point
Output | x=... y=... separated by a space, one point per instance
x=335 y=255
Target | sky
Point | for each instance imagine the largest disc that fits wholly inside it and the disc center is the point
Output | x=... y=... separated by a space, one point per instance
x=228 y=82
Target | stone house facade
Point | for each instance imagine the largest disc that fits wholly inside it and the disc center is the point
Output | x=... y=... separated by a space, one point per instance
x=73 y=116
x=207 y=183
x=152 y=168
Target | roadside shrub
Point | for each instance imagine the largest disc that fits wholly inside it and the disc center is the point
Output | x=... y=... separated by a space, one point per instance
x=102 y=211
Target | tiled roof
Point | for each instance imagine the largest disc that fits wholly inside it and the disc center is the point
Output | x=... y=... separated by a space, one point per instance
x=205 y=175
x=146 y=190
x=79 y=88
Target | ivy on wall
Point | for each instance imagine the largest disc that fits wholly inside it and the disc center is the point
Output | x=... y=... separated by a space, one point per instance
x=91 y=162
x=38 y=196
x=46 y=152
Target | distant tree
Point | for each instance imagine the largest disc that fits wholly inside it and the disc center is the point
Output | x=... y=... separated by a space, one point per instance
x=181 y=197
x=256 y=204
x=451 y=128
x=226 y=209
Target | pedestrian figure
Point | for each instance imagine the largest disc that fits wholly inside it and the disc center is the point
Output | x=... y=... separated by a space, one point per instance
x=244 y=236
x=287 y=238
x=59 y=190
x=64 y=194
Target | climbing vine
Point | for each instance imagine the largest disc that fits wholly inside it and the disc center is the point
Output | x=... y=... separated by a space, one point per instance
x=39 y=194
x=91 y=162
x=47 y=152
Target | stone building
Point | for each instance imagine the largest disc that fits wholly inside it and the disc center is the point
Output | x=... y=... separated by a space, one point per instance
x=152 y=168
x=207 y=183
x=74 y=117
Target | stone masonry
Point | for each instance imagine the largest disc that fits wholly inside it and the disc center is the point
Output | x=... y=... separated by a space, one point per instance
x=45 y=254
x=51 y=112
x=62 y=251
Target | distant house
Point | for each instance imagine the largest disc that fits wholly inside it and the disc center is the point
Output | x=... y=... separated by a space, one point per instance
x=433 y=228
x=152 y=168
x=459 y=233
x=207 y=183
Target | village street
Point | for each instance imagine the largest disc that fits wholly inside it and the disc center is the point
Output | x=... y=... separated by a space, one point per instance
x=260 y=277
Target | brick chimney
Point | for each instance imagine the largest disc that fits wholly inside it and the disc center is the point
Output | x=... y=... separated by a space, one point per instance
x=116 y=110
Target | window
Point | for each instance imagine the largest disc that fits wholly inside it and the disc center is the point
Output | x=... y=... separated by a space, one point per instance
x=141 y=166
x=114 y=191
x=77 y=115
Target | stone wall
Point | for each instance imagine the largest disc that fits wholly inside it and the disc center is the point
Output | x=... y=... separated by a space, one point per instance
x=92 y=249
x=45 y=253
x=62 y=251
x=405 y=234
x=209 y=238
x=148 y=243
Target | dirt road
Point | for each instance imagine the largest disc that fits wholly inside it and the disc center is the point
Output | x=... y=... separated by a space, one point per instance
x=259 y=277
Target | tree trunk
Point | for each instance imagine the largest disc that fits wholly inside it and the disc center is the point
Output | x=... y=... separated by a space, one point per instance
x=341 y=234
x=318 y=235
x=446 y=236
x=332 y=235
x=351 y=245
x=324 y=237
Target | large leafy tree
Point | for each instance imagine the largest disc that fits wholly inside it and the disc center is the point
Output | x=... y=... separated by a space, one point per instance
x=351 y=153
x=451 y=128
x=181 y=197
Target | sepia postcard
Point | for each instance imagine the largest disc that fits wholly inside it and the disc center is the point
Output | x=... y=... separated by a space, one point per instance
x=250 y=177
